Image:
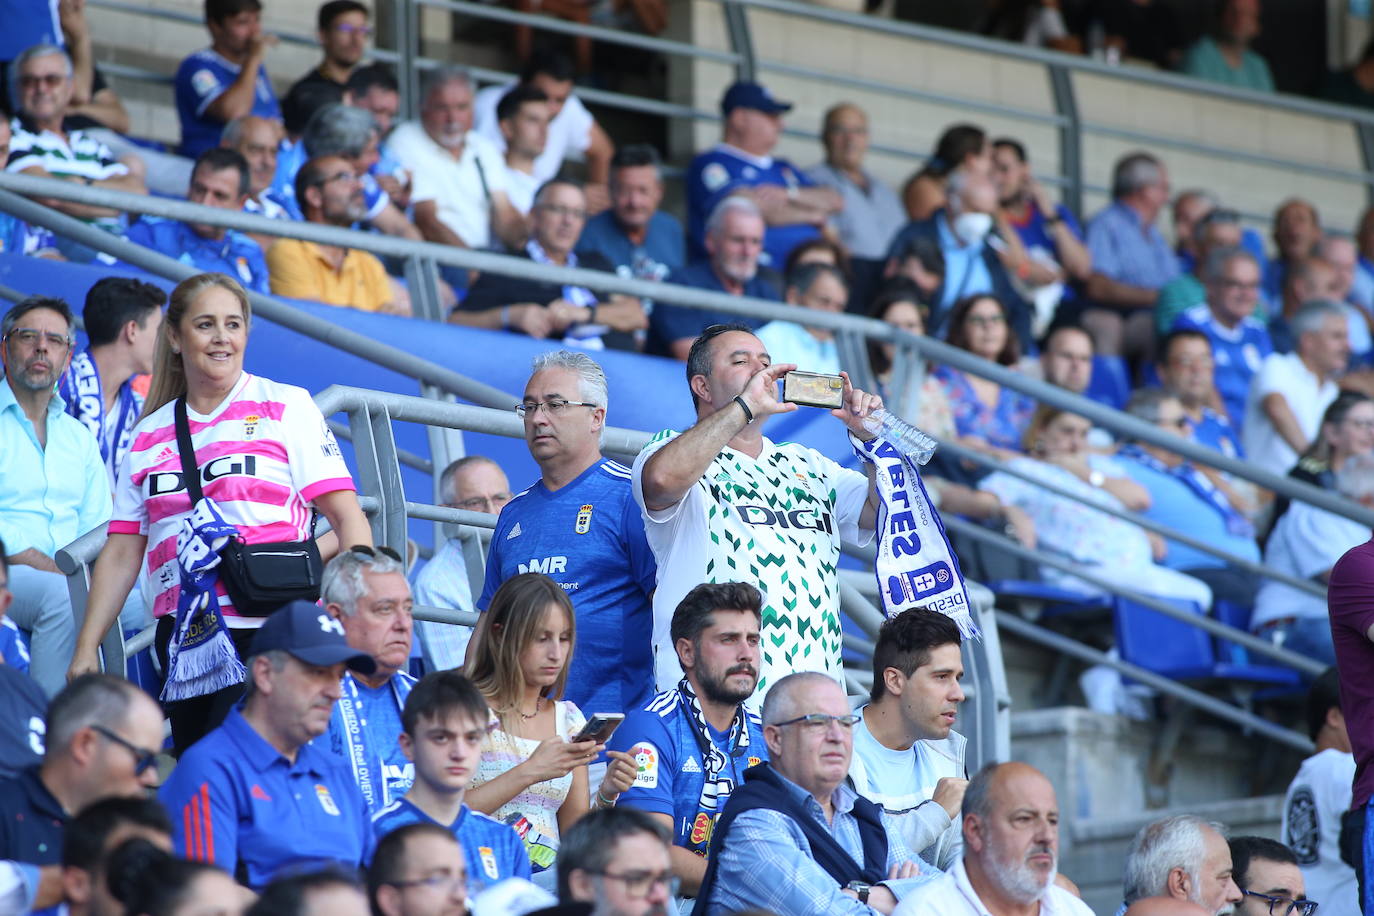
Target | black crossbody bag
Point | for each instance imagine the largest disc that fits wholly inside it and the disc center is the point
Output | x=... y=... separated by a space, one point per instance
x=260 y=578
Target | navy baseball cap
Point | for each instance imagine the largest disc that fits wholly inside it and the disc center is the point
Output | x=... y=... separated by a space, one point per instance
x=751 y=95
x=307 y=632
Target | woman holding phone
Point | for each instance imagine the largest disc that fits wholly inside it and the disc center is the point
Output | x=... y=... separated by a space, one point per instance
x=532 y=775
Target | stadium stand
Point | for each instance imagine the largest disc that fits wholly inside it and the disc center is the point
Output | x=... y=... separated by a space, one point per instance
x=1078 y=575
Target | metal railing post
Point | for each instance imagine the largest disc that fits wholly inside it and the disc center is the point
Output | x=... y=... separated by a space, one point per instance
x=741 y=40
x=407 y=20
x=1070 y=137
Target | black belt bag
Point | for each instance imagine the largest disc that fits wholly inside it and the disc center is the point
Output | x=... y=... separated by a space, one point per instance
x=259 y=578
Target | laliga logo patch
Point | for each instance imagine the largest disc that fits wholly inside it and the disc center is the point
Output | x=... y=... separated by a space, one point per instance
x=250 y=426
x=584 y=520
x=488 y=862
x=326 y=800
x=646 y=765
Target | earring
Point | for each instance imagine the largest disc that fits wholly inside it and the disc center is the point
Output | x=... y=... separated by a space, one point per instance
x=176 y=351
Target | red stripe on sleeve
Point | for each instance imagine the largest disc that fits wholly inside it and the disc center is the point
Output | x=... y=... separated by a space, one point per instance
x=209 y=832
x=186 y=822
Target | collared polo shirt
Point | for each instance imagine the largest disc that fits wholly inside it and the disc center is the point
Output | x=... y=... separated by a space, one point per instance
x=236 y=802
x=31 y=820
x=48 y=496
x=301 y=271
x=461 y=188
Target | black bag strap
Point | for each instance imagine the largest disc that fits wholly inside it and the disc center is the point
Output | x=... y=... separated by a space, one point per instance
x=190 y=469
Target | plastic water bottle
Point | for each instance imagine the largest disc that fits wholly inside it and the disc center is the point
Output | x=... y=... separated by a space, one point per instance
x=901 y=435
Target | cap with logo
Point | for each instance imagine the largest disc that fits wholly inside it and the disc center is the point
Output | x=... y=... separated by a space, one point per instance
x=751 y=95
x=307 y=632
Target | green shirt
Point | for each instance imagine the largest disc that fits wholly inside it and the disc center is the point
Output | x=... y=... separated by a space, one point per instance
x=1204 y=60
x=1176 y=297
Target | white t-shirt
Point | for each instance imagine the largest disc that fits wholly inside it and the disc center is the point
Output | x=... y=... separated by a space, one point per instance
x=570 y=133
x=774 y=522
x=902 y=783
x=1307 y=397
x=1305 y=542
x=1312 y=810
x=520 y=188
x=952 y=895
x=461 y=188
x=265 y=452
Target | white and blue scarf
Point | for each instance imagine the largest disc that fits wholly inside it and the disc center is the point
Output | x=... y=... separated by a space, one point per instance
x=579 y=335
x=1188 y=474
x=915 y=566
x=367 y=770
x=86 y=402
x=201 y=656
x=717 y=784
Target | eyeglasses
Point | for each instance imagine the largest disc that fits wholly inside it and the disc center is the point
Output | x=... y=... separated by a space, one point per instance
x=1289 y=905
x=639 y=883
x=337 y=176
x=445 y=883
x=46 y=80
x=983 y=321
x=363 y=550
x=347 y=28
x=144 y=759
x=481 y=503
x=1239 y=284
x=556 y=210
x=1176 y=423
x=29 y=337
x=819 y=720
x=553 y=406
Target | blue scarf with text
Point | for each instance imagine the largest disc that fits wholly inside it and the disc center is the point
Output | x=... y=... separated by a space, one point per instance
x=201 y=656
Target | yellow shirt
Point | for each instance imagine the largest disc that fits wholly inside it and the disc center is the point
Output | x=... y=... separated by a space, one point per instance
x=300 y=271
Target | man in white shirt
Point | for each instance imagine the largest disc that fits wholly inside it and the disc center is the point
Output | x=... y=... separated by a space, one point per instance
x=907 y=757
x=1291 y=390
x=573 y=132
x=523 y=114
x=809 y=286
x=1011 y=852
x=1318 y=796
x=458 y=178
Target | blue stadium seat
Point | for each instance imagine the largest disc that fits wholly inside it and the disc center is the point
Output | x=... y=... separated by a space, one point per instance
x=1179 y=650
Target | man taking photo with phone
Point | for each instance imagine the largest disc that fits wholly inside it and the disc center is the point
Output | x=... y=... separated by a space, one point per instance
x=722 y=502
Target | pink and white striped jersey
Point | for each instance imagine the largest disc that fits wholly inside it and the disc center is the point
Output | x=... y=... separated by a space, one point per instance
x=264 y=453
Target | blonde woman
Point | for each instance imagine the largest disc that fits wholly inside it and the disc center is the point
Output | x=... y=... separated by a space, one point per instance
x=531 y=775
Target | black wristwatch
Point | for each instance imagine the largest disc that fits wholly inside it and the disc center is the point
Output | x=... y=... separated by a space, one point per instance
x=859 y=888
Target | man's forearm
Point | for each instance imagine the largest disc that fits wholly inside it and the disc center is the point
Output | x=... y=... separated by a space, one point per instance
x=35 y=558
x=676 y=467
x=1105 y=291
x=1276 y=408
x=689 y=867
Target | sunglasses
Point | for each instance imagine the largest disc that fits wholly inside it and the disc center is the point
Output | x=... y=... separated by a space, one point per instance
x=144 y=759
x=364 y=551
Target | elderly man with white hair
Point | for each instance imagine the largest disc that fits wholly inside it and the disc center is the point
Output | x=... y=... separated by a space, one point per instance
x=366 y=591
x=1011 y=852
x=1182 y=857
x=734 y=245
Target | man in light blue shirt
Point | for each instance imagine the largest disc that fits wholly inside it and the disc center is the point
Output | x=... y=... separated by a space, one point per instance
x=809 y=286
x=473 y=483
x=53 y=484
x=795 y=838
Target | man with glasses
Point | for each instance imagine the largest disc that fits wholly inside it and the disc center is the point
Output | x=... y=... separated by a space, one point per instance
x=329 y=192
x=795 y=838
x=579 y=525
x=53 y=483
x=366 y=591
x=1267 y=873
x=576 y=314
x=344 y=32
x=418 y=871
x=1191 y=498
x=692 y=744
x=102 y=739
x=42 y=147
x=616 y=860
x=1240 y=342
x=473 y=483
x=257 y=795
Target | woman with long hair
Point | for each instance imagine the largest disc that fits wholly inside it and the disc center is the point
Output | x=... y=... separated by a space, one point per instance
x=531 y=774
x=265 y=458
x=1347 y=430
x=960 y=146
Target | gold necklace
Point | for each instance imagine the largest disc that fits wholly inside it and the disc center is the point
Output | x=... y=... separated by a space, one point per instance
x=538 y=705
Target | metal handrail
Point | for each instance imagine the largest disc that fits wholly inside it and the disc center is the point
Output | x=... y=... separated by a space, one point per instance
x=867 y=328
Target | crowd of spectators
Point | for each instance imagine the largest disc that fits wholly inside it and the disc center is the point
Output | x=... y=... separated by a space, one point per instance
x=695 y=593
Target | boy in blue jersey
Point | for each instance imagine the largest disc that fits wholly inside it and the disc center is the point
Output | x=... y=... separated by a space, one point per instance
x=1239 y=341
x=742 y=164
x=692 y=744
x=367 y=592
x=443 y=726
x=227 y=80
x=579 y=525
x=1185 y=370
x=256 y=796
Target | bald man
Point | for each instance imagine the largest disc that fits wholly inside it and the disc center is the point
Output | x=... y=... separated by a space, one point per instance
x=1011 y=852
